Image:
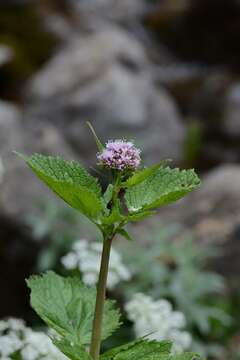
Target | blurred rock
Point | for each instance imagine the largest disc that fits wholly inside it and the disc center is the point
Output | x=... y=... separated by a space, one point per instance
x=6 y=54
x=83 y=60
x=10 y=130
x=231 y=117
x=212 y=213
x=104 y=78
x=123 y=11
x=19 y=189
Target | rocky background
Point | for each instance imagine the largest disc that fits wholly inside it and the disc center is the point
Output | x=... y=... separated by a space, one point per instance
x=163 y=72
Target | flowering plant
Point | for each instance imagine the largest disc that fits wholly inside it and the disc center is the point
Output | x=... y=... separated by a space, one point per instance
x=79 y=314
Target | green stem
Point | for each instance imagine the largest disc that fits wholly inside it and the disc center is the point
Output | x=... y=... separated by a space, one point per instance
x=101 y=293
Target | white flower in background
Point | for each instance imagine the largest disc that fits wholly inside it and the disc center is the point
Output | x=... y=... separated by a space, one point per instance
x=31 y=345
x=86 y=256
x=158 y=321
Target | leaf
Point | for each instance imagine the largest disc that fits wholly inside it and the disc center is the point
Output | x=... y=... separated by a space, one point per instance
x=72 y=350
x=108 y=194
x=140 y=215
x=115 y=215
x=143 y=174
x=184 y=356
x=125 y=234
x=163 y=187
x=67 y=306
x=70 y=181
x=98 y=142
x=139 y=350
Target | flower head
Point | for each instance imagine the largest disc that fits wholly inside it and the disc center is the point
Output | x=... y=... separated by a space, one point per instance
x=120 y=155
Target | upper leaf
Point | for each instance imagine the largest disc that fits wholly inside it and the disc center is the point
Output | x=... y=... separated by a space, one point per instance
x=70 y=181
x=67 y=306
x=143 y=174
x=163 y=187
x=139 y=350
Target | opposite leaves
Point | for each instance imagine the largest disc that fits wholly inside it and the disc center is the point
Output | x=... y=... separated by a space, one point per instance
x=163 y=187
x=67 y=306
x=70 y=181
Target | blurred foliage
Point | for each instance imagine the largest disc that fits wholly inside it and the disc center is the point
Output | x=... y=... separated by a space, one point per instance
x=21 y=29
x=178 y=273
x=57 y=227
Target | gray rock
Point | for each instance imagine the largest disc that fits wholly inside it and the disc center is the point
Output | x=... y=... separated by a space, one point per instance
x=83 y=60
x=122 y=11
x=231 y=118
x=104 y=78
x=20 y=190
x=212 y=213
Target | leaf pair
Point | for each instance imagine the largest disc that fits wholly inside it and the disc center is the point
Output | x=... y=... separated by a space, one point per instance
x=147 y=189
x=67 y=306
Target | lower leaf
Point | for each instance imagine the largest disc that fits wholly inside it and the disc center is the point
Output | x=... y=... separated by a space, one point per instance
x=71 y=350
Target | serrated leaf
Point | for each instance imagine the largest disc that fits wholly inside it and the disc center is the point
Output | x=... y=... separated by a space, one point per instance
x=70 y=181
x=139 y=350
x=67 y=306
x=163 y=187
x=72 y=350
x=125 y=234
x=143 y=174
x=110 y=354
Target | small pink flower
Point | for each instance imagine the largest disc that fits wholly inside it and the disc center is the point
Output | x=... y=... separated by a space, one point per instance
x=120 y=155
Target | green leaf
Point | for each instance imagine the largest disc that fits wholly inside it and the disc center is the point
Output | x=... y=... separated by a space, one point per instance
x=184 y=356
x=139 y=350
x=163 y=187
x=67 y=306
x=140 y=215
x=143 y=174
x=98 y=142
x=142 y=349
x=125 y=234
x=108 y=194
x=70 y=181
x=71 y=350
x=115 y=215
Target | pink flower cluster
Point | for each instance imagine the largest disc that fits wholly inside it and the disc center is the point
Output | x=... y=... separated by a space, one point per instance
x=120 y=155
